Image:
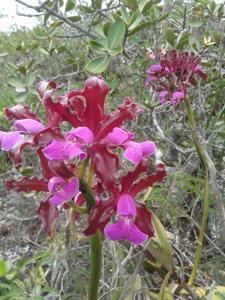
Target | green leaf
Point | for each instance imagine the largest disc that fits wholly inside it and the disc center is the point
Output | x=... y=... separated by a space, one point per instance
x=135 y=20
x=106 y=28
x=159 y=246
x=74 y=18
x=3 y=54
x=183 y=40
x=5 y=266
x=70 y=4
x=125 y=15
x=97 y=4
x=17 y=83
x=98 y=64
x=170 y=36
x=132 y=4
x=86 y=9
x=116 y=34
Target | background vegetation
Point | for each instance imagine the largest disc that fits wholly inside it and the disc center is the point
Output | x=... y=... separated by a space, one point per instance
x=74 y=40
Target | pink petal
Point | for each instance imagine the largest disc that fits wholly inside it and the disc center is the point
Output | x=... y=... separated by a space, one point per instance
x=133 y=152
x=118 y=136
x=176 y=97
x=82 y=134
x=55 y=182
x=116 y=232
x=28 y=125
x=60 y=150
x=125 y=230
x=162 y=96
x=148 y=148
x=126 y=206
x=66 y=193
x=154 y=69
x=135 y=235
x=9 y=140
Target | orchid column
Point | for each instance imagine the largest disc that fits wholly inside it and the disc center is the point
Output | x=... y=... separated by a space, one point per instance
x=78 y=166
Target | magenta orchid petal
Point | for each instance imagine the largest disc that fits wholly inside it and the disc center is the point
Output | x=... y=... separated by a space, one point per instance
x=154 y=69
x=116 y=232
x=63 y=150
x=126 y=206
x=65 y=191
x=9 y=140
x=163 y=96
x=54 y=183
x=148 y=148
x=177 y=97
x=28 y=125
x=125 y=229
x=82 y=134
x=133 y=152
x=118 y=136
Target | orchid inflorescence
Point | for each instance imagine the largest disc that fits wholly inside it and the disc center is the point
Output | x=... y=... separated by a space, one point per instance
x=88 y=147
x=173 y=75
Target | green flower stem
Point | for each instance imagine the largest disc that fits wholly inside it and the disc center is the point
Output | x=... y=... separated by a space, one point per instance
x=201 y=153
x=95 y=250
x=77 y=208
x=95 y=256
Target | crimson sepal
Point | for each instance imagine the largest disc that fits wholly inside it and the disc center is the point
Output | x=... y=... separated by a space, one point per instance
x=148 y=181
x=128 y=110
x=27 y=185
x=48 y=214
x=20 y=112
x=46 y=171
x=95 y=91
x=62 y=110
x=144 y=220
x=46 y=90
x=43 y=86
x=105 y=165
x=99 y=215
x=129 y=178
x=15 y=153
x=59 y=168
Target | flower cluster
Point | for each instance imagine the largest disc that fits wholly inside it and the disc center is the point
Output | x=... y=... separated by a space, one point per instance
x=173 y=75
x=91 y=141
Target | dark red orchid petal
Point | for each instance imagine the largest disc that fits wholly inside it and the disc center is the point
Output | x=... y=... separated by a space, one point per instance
x=47 y=135
x=148 y=181
x=77 y=107
x=46 y=171
x=16 y=153
x=20 y=112
x=46 y=89
x=95 y=91
x=48 y=214
x=129 y=178
x=59 y=168
x=144 y=220
x=105 y=165
x=43 y=86
x=126 y=111
x=27 y=185
x=100 y=214
x=62 y=110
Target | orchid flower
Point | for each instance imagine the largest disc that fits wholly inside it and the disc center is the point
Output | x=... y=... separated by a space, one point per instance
x=62 y=190
x=10 y=140
x=134 y=152
x=124 y=228
x=173 y=75
x=75 y=141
